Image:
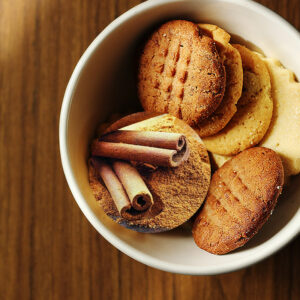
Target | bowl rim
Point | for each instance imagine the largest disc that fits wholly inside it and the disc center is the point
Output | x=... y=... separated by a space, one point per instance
x=284 y=236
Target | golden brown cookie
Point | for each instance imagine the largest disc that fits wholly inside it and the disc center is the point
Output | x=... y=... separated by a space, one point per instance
x=283 y=135
x=177 y=192
x=181 y=73
x=254 y=109
x=241 y=197
x=234 y=82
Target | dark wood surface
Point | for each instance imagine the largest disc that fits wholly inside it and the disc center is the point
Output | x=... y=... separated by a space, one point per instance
x=48 y=249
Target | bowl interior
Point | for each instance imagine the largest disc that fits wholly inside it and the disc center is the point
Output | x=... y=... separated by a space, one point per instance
x=104 y=84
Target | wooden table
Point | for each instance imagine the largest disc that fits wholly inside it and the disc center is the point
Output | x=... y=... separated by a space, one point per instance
x=48 y=249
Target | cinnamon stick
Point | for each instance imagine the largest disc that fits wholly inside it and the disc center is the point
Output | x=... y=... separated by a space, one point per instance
x=135 y=187
x=114 y=145
x=166 y=140
x=113 y=185
x=151 y=155
x=119 y=193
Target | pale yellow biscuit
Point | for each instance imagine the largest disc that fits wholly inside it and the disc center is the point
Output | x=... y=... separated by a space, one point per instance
x=254 y=109
x=283 y=135
x=234 y=82
x=218 y=160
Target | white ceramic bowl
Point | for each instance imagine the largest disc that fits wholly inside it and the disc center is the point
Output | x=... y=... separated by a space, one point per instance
x=103 y=83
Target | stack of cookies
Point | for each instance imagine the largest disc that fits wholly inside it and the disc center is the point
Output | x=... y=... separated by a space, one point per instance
x=233 y=105
x=235 y=99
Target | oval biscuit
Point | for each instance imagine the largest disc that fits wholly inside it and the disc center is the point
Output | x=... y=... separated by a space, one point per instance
x=241 y=197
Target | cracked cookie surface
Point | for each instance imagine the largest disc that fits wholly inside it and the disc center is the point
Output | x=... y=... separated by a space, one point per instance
x=181 y=73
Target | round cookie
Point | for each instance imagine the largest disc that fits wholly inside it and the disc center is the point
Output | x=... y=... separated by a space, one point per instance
x=234 y=82
x=241 y=197
x=177 y=192
x=283 y=135
x=181 y=73
x=254 y=109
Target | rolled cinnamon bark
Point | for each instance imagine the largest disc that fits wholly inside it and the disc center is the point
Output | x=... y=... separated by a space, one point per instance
x=113 y=185
x=119 y=192
x=166 y=140
x=151 y=155
x=135 y=187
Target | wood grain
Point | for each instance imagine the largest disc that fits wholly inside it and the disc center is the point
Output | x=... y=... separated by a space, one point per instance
x=48 y=250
